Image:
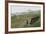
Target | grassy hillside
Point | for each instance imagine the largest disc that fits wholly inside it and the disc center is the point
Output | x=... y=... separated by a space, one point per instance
x=19 y=21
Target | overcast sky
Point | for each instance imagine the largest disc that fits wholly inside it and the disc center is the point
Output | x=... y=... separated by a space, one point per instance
x=18 y=9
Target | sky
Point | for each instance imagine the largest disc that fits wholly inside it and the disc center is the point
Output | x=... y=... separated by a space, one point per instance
x=15 y=9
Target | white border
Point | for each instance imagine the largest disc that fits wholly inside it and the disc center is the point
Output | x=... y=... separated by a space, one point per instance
x=22 y=29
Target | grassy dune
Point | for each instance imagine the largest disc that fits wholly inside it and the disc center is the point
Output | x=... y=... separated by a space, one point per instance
x=19 y=21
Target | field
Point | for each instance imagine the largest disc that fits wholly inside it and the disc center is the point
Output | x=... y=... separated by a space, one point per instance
x=20 y=21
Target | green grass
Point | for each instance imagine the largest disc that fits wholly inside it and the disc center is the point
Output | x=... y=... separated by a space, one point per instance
x=20 y=21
